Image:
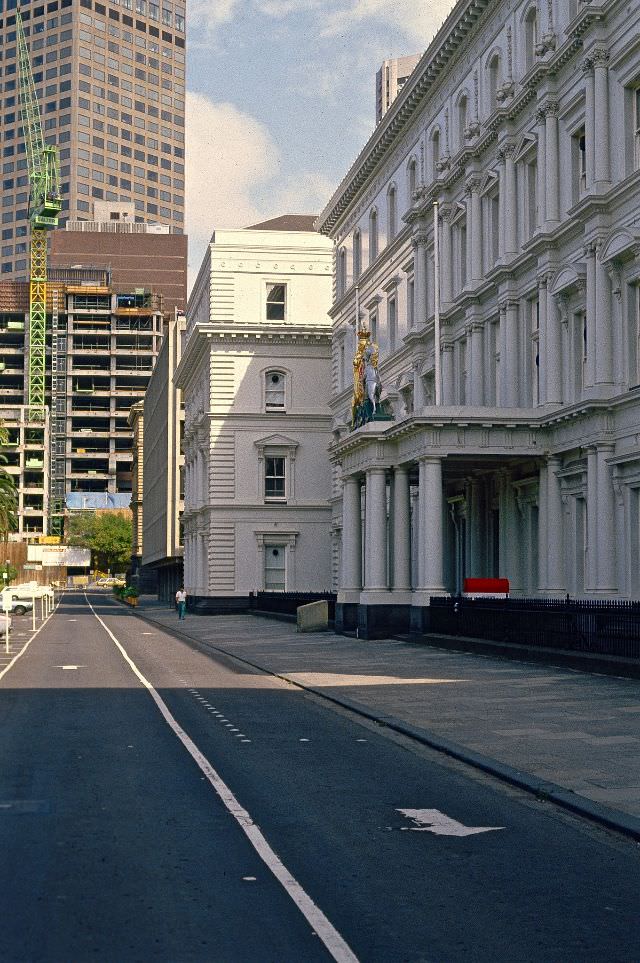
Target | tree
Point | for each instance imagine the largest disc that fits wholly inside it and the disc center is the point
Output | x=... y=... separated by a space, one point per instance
x=8 y=497
x=109 y=535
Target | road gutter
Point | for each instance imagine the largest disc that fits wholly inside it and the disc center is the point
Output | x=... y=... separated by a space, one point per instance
x=620 y=822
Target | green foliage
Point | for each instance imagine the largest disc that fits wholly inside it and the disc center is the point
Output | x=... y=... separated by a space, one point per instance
x=10 y=571
x=130 y=593
x=108 y=534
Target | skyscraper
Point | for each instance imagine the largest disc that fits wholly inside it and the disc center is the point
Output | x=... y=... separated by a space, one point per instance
x=390 y=80
x=110 y=79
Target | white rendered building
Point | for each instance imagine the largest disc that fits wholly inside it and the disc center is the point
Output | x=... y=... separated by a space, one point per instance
x=523 y=122
x=255 y=375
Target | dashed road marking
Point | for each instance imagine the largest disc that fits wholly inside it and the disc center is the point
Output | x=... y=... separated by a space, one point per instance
x=320 y=924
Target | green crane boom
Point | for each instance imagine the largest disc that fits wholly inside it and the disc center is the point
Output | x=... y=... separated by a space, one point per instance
x=44 y=207
x=45 y=204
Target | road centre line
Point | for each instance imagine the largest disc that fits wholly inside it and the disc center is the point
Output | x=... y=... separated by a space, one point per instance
x=335 y=944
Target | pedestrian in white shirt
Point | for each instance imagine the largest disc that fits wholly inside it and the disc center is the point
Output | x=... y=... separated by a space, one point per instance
x=181 y=602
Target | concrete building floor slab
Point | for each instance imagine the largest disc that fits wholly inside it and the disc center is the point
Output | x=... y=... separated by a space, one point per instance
x=575 y=729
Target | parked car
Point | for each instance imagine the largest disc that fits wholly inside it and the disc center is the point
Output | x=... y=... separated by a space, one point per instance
x=109 y=581
x=20 y=606
x=28 y=591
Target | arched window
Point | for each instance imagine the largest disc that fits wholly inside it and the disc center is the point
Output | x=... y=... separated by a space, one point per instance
x=274 y=390
x=392 y=212
x=412 y=178
x=435 y=153
x=342 y=271
x=373 y=235
x=530 y=37
x=494 y=80
x=357 y=255
x=463 y=104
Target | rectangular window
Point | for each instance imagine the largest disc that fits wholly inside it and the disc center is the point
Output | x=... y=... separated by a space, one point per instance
x=274 y=478
x=274 y=568
x=276 y=302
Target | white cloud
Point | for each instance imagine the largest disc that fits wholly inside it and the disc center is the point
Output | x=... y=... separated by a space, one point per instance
x=232 y=174
x=419 y=21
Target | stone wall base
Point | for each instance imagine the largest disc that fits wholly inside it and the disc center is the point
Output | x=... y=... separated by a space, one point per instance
x=217 y=604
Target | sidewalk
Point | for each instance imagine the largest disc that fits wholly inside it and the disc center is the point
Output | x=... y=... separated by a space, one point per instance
x=571 y=736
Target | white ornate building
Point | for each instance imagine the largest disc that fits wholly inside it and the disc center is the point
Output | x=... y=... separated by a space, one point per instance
x=522 y=121
x=255 y=375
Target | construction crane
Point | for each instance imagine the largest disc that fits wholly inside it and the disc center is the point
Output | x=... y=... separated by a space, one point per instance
x=45 y=204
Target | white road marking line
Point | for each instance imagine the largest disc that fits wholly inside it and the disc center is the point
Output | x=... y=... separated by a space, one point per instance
x=335 y=944
x=249 y=879
x=303 y=740
x=433 y=821
x=245 y=740
x=67 y=667
x=28 y=642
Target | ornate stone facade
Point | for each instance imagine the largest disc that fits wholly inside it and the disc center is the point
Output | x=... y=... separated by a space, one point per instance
x=526 y=120
x=255 y=376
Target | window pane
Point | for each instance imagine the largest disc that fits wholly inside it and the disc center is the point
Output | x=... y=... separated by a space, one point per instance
x=274 y=390
x=276 y=294
x=274 y=568
x=274 y=478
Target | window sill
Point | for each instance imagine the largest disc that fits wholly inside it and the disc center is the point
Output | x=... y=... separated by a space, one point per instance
x=274 y=500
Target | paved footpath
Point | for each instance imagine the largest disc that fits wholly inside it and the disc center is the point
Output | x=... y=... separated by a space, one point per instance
x=576 y=730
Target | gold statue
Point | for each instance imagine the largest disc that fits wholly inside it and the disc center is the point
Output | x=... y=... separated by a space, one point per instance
x=366 y=380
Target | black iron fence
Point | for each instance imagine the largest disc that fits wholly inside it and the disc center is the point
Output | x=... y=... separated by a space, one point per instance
x=603 y=627
x=286 y=603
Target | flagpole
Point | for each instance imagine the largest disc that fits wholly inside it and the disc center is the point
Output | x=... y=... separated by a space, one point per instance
x=436 y=313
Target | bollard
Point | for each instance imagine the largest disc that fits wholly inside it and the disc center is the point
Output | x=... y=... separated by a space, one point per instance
x=6 y=629
x=33 y=612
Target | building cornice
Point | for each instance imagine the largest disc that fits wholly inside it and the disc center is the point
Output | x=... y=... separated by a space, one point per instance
x=444 y=48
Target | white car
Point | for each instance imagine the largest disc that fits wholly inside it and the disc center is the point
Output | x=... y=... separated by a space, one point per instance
x=20 y=606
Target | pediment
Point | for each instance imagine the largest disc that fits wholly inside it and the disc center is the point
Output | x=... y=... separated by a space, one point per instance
x=276 y=441
x=569 y=278
x=524 y=145
x=621 y=245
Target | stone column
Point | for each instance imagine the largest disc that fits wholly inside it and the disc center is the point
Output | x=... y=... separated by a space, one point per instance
x=542 y=342
x=376 y=528
x=590 y=368
x=474 y=230
x=419 y=241
x=589 y=120
x=554 y=354
x=445 y=257
x=351 y=535
x=591 y=576
x=509 y=354
x=431 y=527
x=555 y=529
x=601 y=113
x=541 y=186
x=474 y=523
x=476 y=363
x=419 y=395
x=603 y=328
x=605 y=522
x=448 y=382
x=542 y=532
x=552 y=163
x=401 y=530
x=508 y=198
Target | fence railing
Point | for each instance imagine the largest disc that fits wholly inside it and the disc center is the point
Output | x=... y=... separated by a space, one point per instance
x=286 y=603
x=604 y=627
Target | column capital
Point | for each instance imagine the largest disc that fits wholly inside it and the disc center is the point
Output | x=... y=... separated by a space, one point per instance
x=472 y=184
x=376 y=470
x=586 y=65
x=401 y=469
x=419 y=239
x=429 y=459
x=600 y=57
x=507 y=151
x=549 y=109
x=447 y=211
x=590 y=249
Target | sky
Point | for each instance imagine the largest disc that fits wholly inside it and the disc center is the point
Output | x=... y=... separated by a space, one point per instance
x=281 y=99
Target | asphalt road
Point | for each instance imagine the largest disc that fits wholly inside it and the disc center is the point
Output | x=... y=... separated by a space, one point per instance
x=160 y=804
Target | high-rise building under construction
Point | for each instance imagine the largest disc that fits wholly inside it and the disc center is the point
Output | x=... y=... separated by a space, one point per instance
x=110 y=80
